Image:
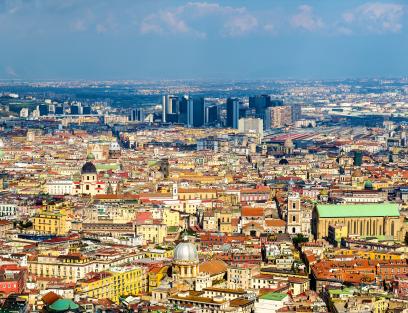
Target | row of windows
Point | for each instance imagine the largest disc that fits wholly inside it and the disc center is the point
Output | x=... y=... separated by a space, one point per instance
x=46 y=221
x=4 y=286
x=7 y=208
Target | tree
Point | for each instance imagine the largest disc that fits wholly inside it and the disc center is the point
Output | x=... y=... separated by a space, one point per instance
x=300 y=239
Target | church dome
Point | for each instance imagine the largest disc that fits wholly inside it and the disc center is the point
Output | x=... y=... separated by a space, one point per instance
x=90 y=156
x=368 y=184
x=283 y=162
x=88 y=168
x=185 y=251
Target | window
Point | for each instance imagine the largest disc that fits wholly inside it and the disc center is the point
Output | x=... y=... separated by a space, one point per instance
x=294 y=218
x=87 y=187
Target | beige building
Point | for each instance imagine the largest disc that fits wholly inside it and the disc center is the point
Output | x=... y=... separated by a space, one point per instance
x=239 y=275
x=376 y=219
x=154 y=233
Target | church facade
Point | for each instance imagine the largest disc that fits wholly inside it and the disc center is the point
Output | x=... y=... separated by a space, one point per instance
x=89 y=183
x=375 y=219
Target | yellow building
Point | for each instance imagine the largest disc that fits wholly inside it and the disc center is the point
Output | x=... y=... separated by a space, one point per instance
x=156 y=275
x=154 y=233
x=224 y=220
x=336 y=232
x=197 y=193
x=51 y=220
x=157 y=254
x=117 y=282
x=171 y=218
x=370 y=254
x=75 y=266
x=67 y=267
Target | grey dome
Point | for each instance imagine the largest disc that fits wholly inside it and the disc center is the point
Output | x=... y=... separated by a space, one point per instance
x=185 y=251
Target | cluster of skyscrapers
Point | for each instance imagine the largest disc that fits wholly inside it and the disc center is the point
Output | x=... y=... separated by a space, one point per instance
x=75 y=108
x=190 y=111
x=194 y=112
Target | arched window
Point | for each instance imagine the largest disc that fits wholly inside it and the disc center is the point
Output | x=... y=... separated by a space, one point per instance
x=294 y=218
x=293 y=230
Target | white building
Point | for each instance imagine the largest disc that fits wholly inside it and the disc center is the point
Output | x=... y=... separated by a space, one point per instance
x=24 y=113
x=59 y=187
x=271 y=302
x=8 y=210
x=251 y=125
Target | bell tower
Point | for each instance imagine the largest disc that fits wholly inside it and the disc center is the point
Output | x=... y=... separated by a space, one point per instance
x=293 y=214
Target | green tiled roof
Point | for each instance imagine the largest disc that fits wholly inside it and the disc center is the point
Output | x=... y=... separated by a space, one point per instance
x=172 y=229
x=107 y=166
x=63 y=305
x=274 y=296
x=345 y=291
x=358 y=210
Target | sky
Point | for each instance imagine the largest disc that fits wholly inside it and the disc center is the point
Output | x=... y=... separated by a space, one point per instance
x=226 y=40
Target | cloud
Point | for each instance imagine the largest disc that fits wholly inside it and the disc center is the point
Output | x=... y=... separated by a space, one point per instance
x=375 y=17
x=185 y=19
x=11 y=7
x=106 y=24
x=79 y=25
x=10 y=71
x=305 y=19
x=240 y=25
x=203 y=8
x=270 y=28
x=343 y=30
x=150 y=25
x=174 y=22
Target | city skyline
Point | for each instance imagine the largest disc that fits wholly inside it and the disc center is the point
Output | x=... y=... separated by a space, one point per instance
x=154 y=40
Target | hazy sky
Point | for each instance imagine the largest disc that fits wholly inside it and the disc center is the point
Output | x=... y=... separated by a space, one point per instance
x=148 y=39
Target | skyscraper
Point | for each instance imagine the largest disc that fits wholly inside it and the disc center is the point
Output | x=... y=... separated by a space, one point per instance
x=260 y=103
x=278 y=116
x=59 y=110
x=211 y=114
x=86 y=110
x=195 y=112
x=137 y=115
x=232 y=112
x=170 y=106
x=296 y=112
x=43 y=109
x=76 y=109
x=183 y=107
